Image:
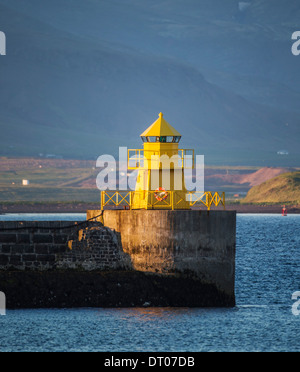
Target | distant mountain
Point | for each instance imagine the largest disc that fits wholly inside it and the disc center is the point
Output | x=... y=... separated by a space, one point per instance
x=284 y=188
x=82 y=78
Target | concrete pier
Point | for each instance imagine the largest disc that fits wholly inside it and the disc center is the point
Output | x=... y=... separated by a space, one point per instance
x=137 y=258
x=197 y=243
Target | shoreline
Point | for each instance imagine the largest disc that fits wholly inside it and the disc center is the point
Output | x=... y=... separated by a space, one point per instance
x=83 y=207
x=273 y=209
x=47 y=207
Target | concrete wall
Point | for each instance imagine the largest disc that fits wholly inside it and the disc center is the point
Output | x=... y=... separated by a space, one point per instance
x=198 y=243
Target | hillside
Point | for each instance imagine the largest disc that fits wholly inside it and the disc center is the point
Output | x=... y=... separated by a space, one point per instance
x=284 y=188
x=82 y=78
x=248 y=178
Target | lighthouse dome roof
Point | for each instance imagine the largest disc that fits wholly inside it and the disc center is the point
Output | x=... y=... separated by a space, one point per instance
x=160 y=128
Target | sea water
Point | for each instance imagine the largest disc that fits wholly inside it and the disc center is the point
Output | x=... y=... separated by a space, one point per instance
x=267 y=274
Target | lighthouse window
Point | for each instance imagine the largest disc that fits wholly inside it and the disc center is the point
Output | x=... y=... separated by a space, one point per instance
x=161 y=139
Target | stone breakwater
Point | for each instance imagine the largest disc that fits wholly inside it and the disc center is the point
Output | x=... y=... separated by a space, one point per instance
x=49 y=245
x=136 y=258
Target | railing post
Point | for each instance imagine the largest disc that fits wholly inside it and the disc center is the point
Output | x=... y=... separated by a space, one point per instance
x=208 y=200
x=101 y=198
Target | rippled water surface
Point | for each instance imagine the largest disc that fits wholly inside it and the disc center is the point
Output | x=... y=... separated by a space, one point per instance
x=267 y=273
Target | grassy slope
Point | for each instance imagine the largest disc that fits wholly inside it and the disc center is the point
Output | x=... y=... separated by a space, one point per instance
x=284 y=188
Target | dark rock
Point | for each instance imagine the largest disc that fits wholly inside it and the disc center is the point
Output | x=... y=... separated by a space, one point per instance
x=75 y=288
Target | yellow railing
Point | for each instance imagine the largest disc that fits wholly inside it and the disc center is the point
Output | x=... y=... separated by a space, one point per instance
x=124 y=199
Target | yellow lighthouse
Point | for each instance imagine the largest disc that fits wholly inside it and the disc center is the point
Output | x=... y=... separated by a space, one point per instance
x=160 y=175
x=160 y=164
